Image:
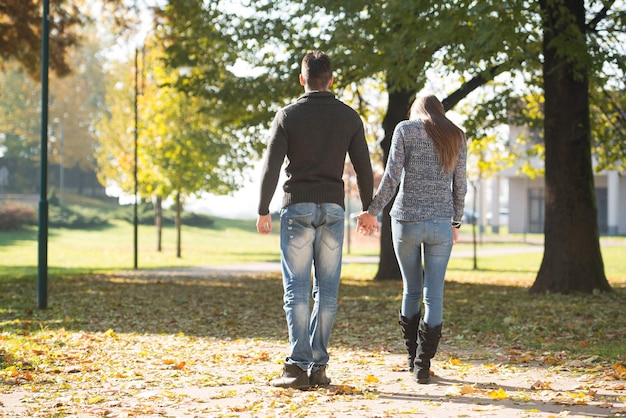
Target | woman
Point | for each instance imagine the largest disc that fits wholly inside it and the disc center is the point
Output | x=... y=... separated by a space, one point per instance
x=427 y=159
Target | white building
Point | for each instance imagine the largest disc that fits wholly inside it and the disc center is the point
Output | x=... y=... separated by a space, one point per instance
x=526 y=199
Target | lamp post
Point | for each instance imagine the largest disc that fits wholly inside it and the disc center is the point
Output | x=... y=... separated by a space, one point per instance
x=59 y=123
x=42 y=263
x=136 y=159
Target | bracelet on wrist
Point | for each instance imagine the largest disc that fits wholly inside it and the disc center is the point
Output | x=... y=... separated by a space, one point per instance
x=456 y=224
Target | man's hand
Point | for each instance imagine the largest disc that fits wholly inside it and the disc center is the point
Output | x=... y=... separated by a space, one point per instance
x=264 y=224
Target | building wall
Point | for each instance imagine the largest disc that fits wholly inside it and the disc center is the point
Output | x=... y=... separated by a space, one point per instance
x=519 y=203
x=621 y=217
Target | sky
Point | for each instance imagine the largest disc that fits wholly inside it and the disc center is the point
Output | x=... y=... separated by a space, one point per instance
x=241 y=205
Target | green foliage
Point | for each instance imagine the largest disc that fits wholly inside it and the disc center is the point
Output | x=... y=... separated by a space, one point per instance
x=188 y=141
x=75 y=217
x=608 y=121
x=75 y=101
x=145 y=216
x=21 y=30
x=14 y=216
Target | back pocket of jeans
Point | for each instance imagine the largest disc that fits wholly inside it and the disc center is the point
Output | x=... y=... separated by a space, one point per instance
x=297 y=230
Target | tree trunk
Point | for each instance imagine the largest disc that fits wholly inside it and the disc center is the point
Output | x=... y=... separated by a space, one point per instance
x=572 y=260
x=158 y=222
x=397 y=110
x=178 y=226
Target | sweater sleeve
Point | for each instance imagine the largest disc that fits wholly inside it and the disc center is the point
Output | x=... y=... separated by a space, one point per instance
x=274 y=158
x=459 y=182
x=360 y=158
x=392 y=175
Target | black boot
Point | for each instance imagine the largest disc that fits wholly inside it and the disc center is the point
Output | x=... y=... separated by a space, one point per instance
x=293 y=377
x=409 y=334
x=427 y=342
x=318 y=377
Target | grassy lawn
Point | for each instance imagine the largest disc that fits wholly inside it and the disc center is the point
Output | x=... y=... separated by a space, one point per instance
x=112 y=248
x=489 y=302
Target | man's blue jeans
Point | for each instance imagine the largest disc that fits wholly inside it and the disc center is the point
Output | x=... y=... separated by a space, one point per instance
x=435 y=235
x=310 y=235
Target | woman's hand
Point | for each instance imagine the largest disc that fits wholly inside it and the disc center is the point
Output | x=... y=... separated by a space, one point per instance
x=367 y=224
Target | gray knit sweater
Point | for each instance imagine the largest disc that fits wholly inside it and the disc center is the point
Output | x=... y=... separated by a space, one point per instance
x=313 y=136
x=426 y=191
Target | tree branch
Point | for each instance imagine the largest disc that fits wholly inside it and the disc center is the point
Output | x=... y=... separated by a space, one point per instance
x=479 y=80
x=591 y=26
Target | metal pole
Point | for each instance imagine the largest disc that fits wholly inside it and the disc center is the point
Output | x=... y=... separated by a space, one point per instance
x=61 y=168
x=135 y=216
x=42 y=268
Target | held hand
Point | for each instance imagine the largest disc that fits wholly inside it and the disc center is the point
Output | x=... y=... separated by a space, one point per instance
x=455 y=235
x=264 y=224
x=367 y=224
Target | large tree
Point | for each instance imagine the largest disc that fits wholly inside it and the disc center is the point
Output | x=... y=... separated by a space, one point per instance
x=572 y=259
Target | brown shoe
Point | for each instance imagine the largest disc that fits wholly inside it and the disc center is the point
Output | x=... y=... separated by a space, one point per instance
x=293 y=377
x=318 y=377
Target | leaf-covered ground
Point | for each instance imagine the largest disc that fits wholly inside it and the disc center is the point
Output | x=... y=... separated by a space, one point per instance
x=206 y=346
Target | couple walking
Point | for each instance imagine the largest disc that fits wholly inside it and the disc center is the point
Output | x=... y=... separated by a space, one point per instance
x=427 y=161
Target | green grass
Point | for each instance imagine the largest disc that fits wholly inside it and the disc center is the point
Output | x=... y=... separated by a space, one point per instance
x=112 y=248
x=231 y=241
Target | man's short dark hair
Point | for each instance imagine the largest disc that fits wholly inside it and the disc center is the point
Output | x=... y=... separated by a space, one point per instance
x=317 y=70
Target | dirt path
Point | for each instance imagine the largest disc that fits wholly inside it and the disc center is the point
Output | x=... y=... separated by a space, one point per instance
x=375 y=388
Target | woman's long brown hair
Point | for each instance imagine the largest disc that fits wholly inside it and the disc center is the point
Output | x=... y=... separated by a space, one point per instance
x=446 y=136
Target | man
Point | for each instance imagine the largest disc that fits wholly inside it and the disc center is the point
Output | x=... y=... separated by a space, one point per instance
x=312 y=136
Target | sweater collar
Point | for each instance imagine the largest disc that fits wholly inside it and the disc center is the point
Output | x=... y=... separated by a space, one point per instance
x=316 y=95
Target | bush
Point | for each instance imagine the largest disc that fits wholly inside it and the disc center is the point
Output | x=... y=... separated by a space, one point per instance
x=196 y=219
x=14 y=216
x=75 y=217
x=145 y=216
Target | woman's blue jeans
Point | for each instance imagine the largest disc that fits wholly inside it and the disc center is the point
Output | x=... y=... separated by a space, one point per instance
x=435 y=236
x=311 y=235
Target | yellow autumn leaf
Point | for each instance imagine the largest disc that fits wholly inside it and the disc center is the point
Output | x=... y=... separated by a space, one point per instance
x=454 y=361
x=498 y=394
x=246 y=379
x=371 y=379
x=110 y=333
x=225 y=394
x=168 y=394
x=94 y=400
x=467 y=390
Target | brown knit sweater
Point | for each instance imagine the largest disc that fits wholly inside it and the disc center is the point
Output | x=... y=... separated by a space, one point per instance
x=312 y=136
